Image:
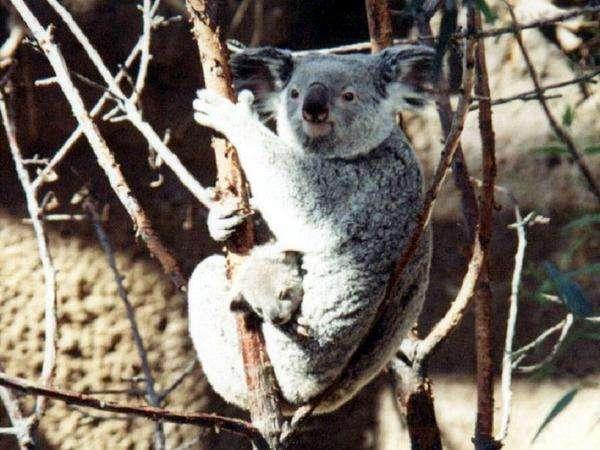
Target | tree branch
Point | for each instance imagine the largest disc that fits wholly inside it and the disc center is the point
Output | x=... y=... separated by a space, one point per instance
x=151 y=395
x=511 y=322
x=103 y=154
x=213 y=421
x=483 y=295
x=380 y=24
x=560 y=132
x=130 y=109
x=34 y=209
x=366 y=46
x=535 y=95
x=263 y=392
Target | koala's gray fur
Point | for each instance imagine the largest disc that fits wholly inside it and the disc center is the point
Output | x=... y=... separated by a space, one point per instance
x=344 y=194
x=270 y=282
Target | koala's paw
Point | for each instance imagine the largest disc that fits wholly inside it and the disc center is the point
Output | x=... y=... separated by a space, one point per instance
x=216 y=112
x=223 y=219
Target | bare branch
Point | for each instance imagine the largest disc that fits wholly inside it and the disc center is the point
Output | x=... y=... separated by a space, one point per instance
x=534 y=95
x=175 y=384
x=21 y=426
x=145 y=55
x=151 y=395
x=130 y=109
x=212 y=421
x=380 y=24
x=103 y=154
x=538 y=340
x=566 y=326
x=560 y=132
x=263 y=393
x=447 y=155
x=74 y=137
x=10 y=46
x=259 y=22
x=34 y=209
x=511 y=323
x=366 y=46
x=483 y=295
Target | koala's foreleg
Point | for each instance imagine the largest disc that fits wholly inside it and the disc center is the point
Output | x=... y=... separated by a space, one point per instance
x=281 y=176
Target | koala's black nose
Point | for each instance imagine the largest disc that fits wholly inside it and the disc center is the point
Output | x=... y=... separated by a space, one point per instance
x=315 y=108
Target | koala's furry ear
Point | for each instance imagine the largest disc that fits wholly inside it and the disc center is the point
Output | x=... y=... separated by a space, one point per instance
x=265 y=71
x=405 y=74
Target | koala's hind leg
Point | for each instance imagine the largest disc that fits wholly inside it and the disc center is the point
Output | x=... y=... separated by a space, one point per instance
x=213 y=330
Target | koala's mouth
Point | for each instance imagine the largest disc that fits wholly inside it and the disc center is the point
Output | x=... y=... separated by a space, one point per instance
x=316 y=130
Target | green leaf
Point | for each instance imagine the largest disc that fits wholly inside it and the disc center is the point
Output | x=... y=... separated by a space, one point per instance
x=583 y=221
x=558 y=407
x=591 y=336
x=490 y=16
x=590 y=268
x=552 y=150
x=568 y=116
x=592 y=149
x=570 y=292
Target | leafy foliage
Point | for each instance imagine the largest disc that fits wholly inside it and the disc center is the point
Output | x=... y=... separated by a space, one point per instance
x=558 y=407
x=568 y=116
x=570 y=292
x=552 y=150
x=489 y=15
x=583 y=221
x=592 y=150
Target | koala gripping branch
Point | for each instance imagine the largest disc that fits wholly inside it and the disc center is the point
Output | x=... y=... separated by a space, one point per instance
x=263 y=395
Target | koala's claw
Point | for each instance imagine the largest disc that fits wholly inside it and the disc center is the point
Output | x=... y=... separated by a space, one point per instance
x=219 y=113
x=246 y=99
x=223 y=219
x=212 y=110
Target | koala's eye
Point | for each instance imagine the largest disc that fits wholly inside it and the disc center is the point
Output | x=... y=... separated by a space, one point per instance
x=294 y=93
x=348 y=96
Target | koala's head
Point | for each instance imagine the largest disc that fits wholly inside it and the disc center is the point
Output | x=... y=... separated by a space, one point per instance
x=270 y=280
x=335 y=105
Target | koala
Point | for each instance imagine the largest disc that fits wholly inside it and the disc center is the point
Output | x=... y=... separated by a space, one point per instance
x=338 y=184
x=269 y=281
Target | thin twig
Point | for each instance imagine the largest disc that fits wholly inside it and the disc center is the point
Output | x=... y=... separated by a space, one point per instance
x=538 y=340
x=60 y=154
x=175 y=384
x=511 y=322
x=103 y=154
x=10 y=46
x=566 y=326
x=151 y=395
x=34 y=209
x=534 y=95
x=58 y=218
x=21 y=426
x=130 y=109
x=212 y=421
x=447 y=155
x=560 y=132
x=145 y=55
x=366 y=46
